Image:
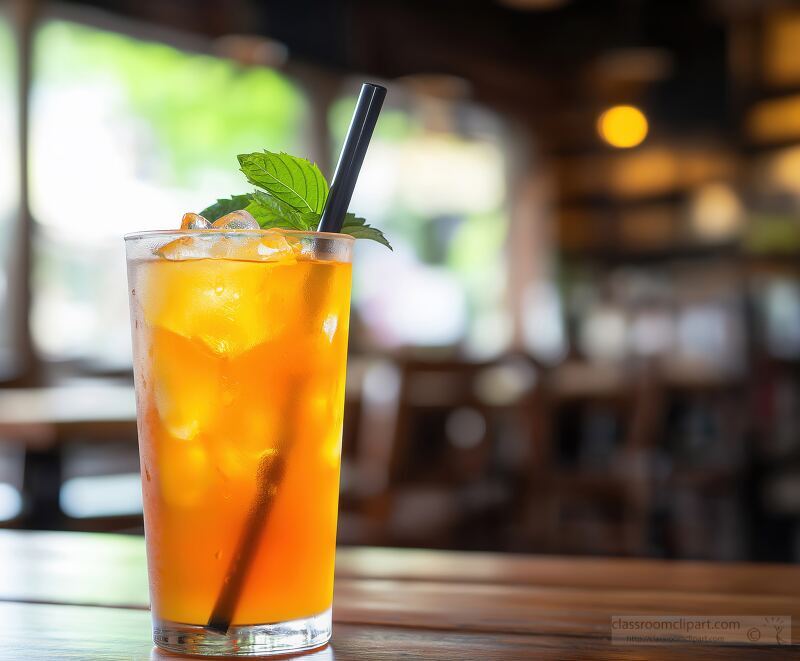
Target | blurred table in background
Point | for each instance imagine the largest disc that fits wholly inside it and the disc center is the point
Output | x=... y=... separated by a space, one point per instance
x=70 y=595
x=42 y=416
x=503 y=455
x=43 y=420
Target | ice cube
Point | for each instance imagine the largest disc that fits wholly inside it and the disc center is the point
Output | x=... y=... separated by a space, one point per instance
x=187 y=247
x=236 y=220
x=184 y=473
x=271 y=247
x=220 y=302
x=248 y=432
x=252 y=416
x=274 y=247
x=186 y=383
x=194 y=221
x=227 y=247
x=322 y=412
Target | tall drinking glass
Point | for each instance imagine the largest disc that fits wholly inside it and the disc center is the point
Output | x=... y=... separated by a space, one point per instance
x=240 y=346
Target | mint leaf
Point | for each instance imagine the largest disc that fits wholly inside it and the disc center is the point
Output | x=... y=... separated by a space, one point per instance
x=292 y=196
x=358 y=228
x=292 y=180
x=272 y=212
x=225 y=205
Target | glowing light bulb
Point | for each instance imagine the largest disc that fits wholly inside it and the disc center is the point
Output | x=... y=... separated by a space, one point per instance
x=716 y=212
x=622 y=126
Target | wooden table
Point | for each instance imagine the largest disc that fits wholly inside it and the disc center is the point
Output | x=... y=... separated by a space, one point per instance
x=84 y=596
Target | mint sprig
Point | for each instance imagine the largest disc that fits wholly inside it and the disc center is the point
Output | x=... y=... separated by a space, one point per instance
x=290 y=179
x=358 y=227
x=224 y=206
x=271 y=211
x=292 y=195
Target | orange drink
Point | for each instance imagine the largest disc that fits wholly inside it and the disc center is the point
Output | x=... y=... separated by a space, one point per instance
x=240 y=345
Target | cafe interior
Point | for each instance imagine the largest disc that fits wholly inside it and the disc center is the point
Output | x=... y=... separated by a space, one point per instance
x=586 y=340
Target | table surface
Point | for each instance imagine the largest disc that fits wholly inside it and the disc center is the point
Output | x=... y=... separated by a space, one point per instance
x=42 y=418
x=84 y=596
x=63 y=404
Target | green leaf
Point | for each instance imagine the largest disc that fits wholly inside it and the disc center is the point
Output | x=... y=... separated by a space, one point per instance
x=225 y=205
x=358 y=228
x=292 y=196
x=270 y=211
x=290 y=179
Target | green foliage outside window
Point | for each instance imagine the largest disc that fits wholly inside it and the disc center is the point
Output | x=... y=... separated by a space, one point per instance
x=203 y=110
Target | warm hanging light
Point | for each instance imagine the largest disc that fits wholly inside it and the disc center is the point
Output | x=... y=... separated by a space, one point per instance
x=716 y=212
x=622 y=126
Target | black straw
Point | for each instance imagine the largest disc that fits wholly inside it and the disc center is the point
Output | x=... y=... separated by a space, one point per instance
x=354 y=149
x=268 y=477
x=272 y=468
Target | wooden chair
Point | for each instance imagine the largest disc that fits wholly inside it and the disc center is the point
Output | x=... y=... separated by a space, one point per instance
x=593 y=491
x=705 y=480
x=454 y=452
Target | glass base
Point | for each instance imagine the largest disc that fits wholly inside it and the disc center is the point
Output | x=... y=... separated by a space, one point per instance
x=250 y=640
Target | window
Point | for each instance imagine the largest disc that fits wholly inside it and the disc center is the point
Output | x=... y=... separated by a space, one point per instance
x=9 y=189
x=127 y=135
x=439 y=193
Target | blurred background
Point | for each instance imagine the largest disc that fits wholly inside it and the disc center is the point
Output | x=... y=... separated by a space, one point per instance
x=587 y=338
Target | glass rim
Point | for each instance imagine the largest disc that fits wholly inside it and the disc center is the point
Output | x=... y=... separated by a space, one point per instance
x=330 y=236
